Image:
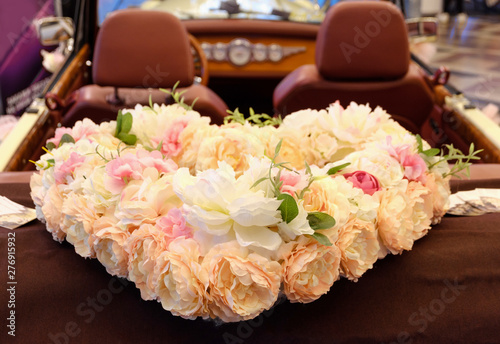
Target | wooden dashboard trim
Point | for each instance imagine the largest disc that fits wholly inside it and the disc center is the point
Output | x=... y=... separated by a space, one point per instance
x=468 y=131
x=73 y=77
x=247 y=26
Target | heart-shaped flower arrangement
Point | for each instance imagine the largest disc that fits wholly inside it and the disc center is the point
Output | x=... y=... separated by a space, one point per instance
x=217 y=221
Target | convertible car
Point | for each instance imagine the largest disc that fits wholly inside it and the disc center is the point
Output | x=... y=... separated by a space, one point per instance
x=273 y=57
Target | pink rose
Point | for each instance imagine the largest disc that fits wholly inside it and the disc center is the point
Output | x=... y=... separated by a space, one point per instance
x=364 y=181
x=174 y=225
x=170 y=142
x=68 y=167
x=82 y=129
x=120 y=171
x=130 y=166
x=413 y=164
x=292 y=181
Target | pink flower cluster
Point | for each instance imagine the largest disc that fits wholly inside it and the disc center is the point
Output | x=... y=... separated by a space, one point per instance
x=131 y=166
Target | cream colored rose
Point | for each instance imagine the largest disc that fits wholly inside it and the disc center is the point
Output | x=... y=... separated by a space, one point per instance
x=309 y=269
x=359 y=247
x=143 y=247
x=109 y=242
x=356 y=123
x=316 y=141
x=242 y=284
x=180 y=281
x=94 y=189
x=144 y=201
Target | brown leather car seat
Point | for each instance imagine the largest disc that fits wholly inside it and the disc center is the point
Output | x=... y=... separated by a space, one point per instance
x=136 y=53
x=362 y=55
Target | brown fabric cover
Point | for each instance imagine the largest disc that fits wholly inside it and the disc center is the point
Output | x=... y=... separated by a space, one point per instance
x=443 y=291
x=363 y=40
x=408 y=99
x=137 y=48
x=92 y=102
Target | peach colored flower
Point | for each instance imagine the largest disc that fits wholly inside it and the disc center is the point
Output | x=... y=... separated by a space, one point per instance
x=331 y=196
x=291 y=150
x=232 y=144
x=78 y=222
x=440 y=192
x=309 y=269
x=395 y=225
x=359 y=247
x=180 y=281
x=421 y=203
x=143 y=247
x=242 y=284
x=51 y=208
x=109 y=242
x=191 y=138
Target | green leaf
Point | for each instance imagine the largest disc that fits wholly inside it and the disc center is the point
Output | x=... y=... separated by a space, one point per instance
x=336 y=169
x=288 y=208
x=151 y=101
x=119 y=118
x=278 y=148
x=432 y=152
x=160 y=145
x=258 y=182
x=308 y=168
x=51 y=161
x=318 y=220
x=129 y=139
x=126 y=123
x=50 y=146
x=420 y=145
x=66 y=138
x=322 y=239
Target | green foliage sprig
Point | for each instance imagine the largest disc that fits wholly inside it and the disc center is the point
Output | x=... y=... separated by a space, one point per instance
x=260 y=120
x=178 y=97
x=462 y=161
x=289 y=208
